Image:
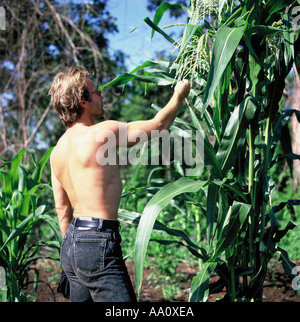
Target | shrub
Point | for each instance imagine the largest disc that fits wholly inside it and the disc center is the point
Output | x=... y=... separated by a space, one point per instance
x=21 y=209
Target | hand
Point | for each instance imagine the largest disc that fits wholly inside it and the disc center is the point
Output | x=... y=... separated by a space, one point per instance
x=183 y=89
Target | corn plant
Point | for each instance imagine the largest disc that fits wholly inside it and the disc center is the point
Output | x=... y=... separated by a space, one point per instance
x=237 y=55
x=20 y=209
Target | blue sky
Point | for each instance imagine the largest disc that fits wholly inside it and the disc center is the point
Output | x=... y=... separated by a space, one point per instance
x=137 y=45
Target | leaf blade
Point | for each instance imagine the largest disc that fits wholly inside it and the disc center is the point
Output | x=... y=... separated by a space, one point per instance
x=226 y=42
x=159 y=201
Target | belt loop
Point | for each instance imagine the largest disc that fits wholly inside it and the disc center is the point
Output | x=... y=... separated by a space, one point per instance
x=74 y=221
x=100 y=224
x=74 y=226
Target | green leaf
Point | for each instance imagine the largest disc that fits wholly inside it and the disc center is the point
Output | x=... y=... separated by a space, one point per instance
x=159 y=79
x=200 y=283
x=37 y=173
x=235 y=133
x=289 y=38
x=165 y=6
x=134 y=218
x=232 y=225
x=27 y=201
x=226 y=42
x=290 y=204
x=187 y=35
x=148 y=63
x=280 y=233
x=22 y=228
x=280 y=128
x=157 y=203
x=156 y=28
x=11 y=182
x=273 y=6
x=289 y=267
x=54 y=225
x=265 y=30
x=211 y=214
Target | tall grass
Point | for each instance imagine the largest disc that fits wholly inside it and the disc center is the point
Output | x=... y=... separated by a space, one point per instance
x=20 y=210
x=250 y=48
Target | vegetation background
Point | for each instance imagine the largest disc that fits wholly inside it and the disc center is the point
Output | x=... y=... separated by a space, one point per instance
x=41 y=38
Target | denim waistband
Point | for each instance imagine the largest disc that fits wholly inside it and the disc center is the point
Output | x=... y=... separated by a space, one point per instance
x=93 y=222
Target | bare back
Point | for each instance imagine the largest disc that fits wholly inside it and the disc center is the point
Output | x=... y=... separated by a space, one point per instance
x=93 y=190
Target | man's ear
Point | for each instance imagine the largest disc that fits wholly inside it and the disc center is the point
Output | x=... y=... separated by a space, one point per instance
x=83 y=104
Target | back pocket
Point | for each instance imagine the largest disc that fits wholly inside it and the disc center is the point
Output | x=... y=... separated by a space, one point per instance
x=89 y=254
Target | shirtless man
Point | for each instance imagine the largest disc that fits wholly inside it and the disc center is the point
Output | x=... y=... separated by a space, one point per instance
x=87 y=194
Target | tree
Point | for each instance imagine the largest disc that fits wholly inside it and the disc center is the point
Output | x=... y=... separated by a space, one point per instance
x=42 y=37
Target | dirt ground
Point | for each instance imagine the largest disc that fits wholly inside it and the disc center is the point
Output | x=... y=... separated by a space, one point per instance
x=277 y=287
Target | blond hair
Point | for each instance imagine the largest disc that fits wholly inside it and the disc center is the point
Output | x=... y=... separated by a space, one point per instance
x=67 y=91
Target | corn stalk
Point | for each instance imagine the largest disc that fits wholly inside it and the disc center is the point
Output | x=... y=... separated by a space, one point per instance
x=237 y=56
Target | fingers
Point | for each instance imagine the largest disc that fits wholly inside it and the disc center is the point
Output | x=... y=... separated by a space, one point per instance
x=182 y=82
x=183 y=88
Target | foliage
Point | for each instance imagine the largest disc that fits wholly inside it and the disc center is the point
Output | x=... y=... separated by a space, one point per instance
x=154 y=4
x=21 y=210
x=42 y=38
x=236 y=103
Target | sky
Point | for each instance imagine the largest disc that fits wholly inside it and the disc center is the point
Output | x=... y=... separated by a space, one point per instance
x=137 y=45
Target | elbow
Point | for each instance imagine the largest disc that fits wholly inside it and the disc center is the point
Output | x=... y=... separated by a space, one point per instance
x=63 y=211
x=161 y=124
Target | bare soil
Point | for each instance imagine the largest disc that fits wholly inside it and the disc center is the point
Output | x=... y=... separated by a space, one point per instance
x=277 y=287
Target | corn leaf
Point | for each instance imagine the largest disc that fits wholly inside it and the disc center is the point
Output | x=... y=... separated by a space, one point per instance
x=158 y=202
x=289 y=268
x=226 y=42
x=235 y=133
x=232 y=224
x=37 y=173
x=200 y=283
x=165 y=6
x=125 y=78
x=134 y=218
x=187 y=35
x=275 y=6
x=159 y=30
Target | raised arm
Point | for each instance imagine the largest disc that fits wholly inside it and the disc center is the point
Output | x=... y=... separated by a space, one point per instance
x=129 y=134
x=163 y=119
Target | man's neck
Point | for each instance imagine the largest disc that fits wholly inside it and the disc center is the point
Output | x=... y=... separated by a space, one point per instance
x=84 y=120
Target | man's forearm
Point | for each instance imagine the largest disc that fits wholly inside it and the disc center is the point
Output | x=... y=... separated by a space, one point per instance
x=162 y=121
x=166 y=116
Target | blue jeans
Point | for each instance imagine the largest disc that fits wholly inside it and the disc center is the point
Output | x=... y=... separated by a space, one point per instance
x=92 y=260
